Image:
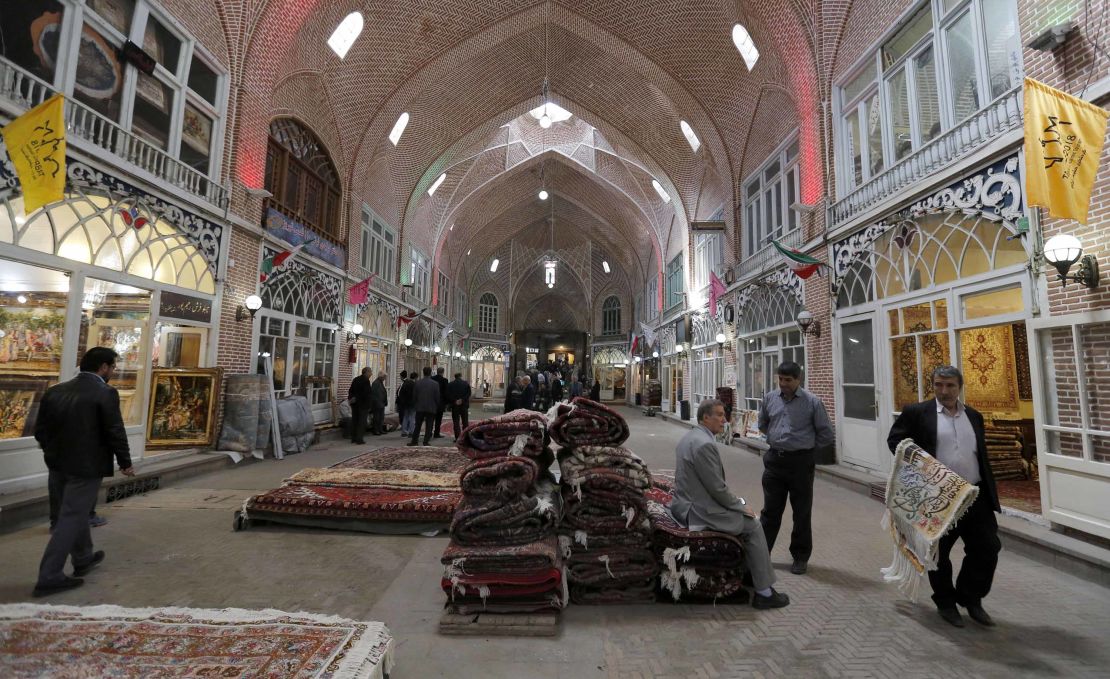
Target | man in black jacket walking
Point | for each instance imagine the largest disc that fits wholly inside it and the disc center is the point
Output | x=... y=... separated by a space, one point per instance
x=954 y=434
x=458 y=397
x=379 y=399
x=442 y=381
x=359 y=395
x=405 y=414
x=427 y=401
x=80 y=429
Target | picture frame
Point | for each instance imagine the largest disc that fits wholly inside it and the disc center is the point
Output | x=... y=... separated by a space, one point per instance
x=20 y=396
x=182 y=410
x=310 y=382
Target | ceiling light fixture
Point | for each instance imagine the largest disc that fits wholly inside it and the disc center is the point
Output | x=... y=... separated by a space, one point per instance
x=659 y=189
x=436 y=183
x=543 y=194
x=399 y=128
x=345 y=34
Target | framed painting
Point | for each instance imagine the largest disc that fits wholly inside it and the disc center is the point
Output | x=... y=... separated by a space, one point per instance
x=20 y=396
x=183 y=407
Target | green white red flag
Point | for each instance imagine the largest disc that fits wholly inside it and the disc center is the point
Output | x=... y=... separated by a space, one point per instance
x=275 y=261
x=801 y=264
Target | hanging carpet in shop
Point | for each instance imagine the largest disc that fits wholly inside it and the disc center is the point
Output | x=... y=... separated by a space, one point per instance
x=924 y=499
x=112 y=641
x=990 y=373
x=389 y=490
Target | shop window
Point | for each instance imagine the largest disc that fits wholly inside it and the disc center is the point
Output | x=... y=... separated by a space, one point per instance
x=487 y=313
x=323 y=361
x=273 y=344
x=302 y=291
x=611 y=316
x=1075 y=360
x=178 y=346
x=993 y=303
x=761 y=356
x=91 y=228
x=32 y=325
x=118 y=317
x=302 y=177
x=769 y=307
x=916 y=349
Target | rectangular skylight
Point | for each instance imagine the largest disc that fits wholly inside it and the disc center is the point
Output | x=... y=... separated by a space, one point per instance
x=399 y=128
x=744 y=44
x=605 y=265
x=493 y=266
x=691 y=137
x=345 y=34
x=436 y=183
x=659 y=189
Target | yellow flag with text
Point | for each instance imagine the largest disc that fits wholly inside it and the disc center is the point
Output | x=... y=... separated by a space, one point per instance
x=36 y=143
x=1063 y=141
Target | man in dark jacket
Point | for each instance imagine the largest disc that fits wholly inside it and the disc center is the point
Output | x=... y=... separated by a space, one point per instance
x=442 y=381
x=595 y=391
x=527 y=394
x=458 y=396
x=512 y=394
x=428 y=400
x=556 y=389
x=405 y=413
x=379 y=399
x=80 y=429
x=359 y=395
x=953 y=433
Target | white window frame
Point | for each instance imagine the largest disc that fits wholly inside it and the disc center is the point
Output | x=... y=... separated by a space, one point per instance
x=769 y=194
x=611 y=316
x=488 y=313
x=461 y=308
x=675 y=284
x=708 y=257
x=443 y=301
x=420 y=272
x=651 y=309
x=943 y=19
x=76 y=14
x=378 y=253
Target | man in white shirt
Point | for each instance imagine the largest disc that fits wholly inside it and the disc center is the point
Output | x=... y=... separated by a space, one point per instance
x=953 y=433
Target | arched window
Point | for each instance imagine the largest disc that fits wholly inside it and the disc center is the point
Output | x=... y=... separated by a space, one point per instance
x=487 y=313
x=611 y=317
x=302 y=178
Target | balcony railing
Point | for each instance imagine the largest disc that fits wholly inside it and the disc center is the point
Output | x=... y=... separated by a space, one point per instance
x=384 y=287
x=20 y=91
x=997 y=118
x=768 y=257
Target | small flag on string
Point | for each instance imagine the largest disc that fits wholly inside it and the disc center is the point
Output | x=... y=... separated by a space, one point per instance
x=635 y=342
x=649 y=334
x=410 y=317
x=447 y=329
x=801 y=264
x=36 y=143
x=275 y=261
x=360 y=292
x=716 y=291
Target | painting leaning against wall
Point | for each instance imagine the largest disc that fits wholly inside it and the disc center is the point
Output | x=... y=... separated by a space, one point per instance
x=183 y=407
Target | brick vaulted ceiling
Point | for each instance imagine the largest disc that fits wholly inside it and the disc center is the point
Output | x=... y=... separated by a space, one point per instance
x=467 y=72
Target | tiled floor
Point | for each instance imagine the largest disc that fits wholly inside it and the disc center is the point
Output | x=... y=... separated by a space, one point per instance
x=176 y=547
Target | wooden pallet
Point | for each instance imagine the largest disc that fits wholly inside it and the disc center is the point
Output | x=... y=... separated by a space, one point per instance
x=544 y=624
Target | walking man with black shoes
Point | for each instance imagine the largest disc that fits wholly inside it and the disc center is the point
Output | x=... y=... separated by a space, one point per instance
x=359 y=396
x=427 y=401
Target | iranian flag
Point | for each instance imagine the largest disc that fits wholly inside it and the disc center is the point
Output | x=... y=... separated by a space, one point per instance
x=275 y=261
x=801 y=264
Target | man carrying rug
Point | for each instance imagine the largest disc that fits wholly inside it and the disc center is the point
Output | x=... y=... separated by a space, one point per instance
x=359 y=397
x=702 y=501
x=80 y=429
x=427 y=401
x=953 y=433
x=795 y=423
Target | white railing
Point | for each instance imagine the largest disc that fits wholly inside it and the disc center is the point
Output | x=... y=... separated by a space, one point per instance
x=21 y=91
x=768 y=257
x=381 y=286
x=1000 y=116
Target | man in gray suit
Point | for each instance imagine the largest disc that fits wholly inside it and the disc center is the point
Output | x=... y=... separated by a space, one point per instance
x=427 y=401
x=702 y=501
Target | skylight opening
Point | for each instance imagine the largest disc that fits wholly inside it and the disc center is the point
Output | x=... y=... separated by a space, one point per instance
x=605 y=265
x=436 y=183
x=744 y=44
x=345 y=34
x=493 y=266
x=659 y=189
x=556 y=113
x=399 y=128
x=688 y=132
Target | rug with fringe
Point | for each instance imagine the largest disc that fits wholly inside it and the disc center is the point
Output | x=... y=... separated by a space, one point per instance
x=924 y=500
x=112 y=641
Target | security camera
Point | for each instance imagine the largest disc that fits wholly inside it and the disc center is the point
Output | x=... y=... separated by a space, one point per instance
x=1051 y=37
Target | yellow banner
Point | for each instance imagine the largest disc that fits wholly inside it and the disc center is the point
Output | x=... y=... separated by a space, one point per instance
x=1063 y=141
x=36 y=143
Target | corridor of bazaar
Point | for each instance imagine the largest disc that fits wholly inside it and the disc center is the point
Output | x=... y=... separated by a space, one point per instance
x=606 y=225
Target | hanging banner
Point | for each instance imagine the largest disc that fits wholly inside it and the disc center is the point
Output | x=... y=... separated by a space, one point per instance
x=1063 y=142
x=295 y=233
x=36 y=143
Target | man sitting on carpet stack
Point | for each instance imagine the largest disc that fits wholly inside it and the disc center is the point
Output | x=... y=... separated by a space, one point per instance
x=953 y=433
x=80 y=429
x=702 y=501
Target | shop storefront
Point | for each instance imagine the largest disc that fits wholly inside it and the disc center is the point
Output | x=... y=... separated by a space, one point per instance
x=610 y=365
x=375 y=345
x=297 y=331
x=767 y=335
x=110 y=265
x=489 y=367
x=671 y=362
x=416 y=349
x=708 y=359
x=944 y=281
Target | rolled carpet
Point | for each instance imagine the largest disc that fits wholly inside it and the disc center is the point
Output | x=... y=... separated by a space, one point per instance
x=701 y=548
x=583 y=422
x=503 y=478
x=404 y=479
x=502 y=585
x=488 y=521
x=612 y=568
x=635 y=593
x=520 y=432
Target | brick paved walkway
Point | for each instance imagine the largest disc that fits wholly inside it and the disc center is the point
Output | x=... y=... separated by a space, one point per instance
x=176 y=547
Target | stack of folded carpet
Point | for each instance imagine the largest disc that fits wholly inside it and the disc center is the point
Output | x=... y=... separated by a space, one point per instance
x=605 y=536
x=1005 y=446
x=504 y=556
x=696 y=565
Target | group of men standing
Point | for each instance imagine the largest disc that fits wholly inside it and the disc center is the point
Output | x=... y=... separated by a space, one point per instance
x=796 y=425
x=420 y=403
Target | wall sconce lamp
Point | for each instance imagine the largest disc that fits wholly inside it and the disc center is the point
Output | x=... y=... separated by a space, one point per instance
x=408 y=342
x=354 y=332
x=655 y=354
x=808 y=324
x=720 y=339
x=1062 y=251
x=252 y=304
x=435 y=349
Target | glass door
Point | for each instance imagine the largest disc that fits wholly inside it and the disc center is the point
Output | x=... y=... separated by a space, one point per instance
x=861 y=439
x=301 y=366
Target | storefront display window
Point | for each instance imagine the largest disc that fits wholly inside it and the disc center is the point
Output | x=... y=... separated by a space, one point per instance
x=118 y=317
x=487 y=370
x=177 y=346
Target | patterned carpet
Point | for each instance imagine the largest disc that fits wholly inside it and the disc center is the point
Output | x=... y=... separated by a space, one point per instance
x=103 y=641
